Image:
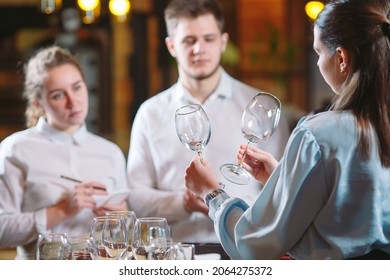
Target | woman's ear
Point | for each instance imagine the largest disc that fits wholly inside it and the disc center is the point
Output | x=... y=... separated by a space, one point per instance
x=36 y=103
x=343 y=60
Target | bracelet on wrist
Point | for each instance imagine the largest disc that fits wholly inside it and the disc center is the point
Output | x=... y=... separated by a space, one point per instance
x=214 y=194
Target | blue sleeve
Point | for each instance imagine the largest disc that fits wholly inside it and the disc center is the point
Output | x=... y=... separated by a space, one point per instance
x=227 y=216
x=283 y=211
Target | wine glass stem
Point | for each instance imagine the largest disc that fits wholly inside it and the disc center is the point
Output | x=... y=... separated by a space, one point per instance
x=200 y=155
x=243 y=156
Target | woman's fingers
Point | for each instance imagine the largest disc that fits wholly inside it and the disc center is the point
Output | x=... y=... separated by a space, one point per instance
x=247 y=167
x=91 y=188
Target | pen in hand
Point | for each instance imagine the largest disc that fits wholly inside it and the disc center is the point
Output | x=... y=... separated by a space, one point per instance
x=79 y=181
x=70 y=179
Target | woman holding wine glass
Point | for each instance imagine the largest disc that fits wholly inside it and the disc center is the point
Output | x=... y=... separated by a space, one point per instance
x=328 y=197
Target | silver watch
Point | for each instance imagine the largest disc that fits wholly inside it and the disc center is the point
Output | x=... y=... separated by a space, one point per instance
x=213 y=195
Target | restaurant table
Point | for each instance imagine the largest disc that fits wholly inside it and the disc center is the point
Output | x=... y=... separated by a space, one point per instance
x=208 y=248
x=7 y=253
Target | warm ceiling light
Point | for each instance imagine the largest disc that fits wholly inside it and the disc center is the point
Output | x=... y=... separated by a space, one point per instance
x=90 y=9
x=119 y=7
x=313 y=8
x=88 y=5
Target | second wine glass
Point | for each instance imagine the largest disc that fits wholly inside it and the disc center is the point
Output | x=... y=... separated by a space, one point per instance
x=114 y=236
x=150 y=233
x=53 y=246
x=258 y=122
x=129 y=218
x=193 y=127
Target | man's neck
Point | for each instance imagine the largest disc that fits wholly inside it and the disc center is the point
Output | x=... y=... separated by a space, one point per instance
x=202 y=89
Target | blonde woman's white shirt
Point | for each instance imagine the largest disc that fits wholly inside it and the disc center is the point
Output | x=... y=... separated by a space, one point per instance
x=31 y=163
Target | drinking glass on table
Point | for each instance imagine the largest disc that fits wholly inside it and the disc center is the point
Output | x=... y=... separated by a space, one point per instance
x=170 y=250
x=150 y=233
x=53 y=246
x=129 y=218
x=258 y=122
x=175 y=251
x=97 y=249
x=189 y=251
x=114 y=236
x=80 y=248
x=193 y=127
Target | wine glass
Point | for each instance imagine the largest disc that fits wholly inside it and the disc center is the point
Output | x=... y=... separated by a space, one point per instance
x=169 y=250
x=53 y=246
x=150 y=232
x=97 y=249
x=193 y=127
x=114 y=236
x=80 y=248
x=129 y=218
x=189 y=251
x=258 y=122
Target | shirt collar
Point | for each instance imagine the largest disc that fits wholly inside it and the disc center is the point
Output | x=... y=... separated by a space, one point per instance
x=56 y=135
x=224 y=89
x=225 y=86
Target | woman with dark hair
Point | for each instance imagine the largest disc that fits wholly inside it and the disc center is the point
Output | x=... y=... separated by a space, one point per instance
x=329 y=196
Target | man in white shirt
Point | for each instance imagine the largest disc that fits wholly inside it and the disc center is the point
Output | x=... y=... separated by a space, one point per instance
x=157 y=159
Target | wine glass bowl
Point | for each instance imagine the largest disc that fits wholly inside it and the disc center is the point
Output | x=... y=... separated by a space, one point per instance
x=80 y=248
x=175 y=251
x=97 y=249
x=129 y=219
x=168 y=251
x=193 y=127
x=53 y=246
x=258 y=122
x=151 y=233
x=114 y=236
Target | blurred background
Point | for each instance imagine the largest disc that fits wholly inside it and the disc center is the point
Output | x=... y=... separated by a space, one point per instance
x=125 y=59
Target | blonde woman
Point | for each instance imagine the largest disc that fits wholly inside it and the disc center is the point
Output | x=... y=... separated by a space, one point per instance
x=33 y=196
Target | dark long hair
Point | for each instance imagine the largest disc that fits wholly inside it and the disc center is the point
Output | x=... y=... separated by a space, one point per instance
x=362 y=28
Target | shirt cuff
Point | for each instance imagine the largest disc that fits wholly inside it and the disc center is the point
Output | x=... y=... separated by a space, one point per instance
x=40 y=221
x=215 y=203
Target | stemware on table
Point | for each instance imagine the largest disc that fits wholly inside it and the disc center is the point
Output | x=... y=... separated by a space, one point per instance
x=108 y=239
x=114 y=236
x=53 y=246
x=80 y=246
x=129 y=218
x=169 y=250
x=150 y=234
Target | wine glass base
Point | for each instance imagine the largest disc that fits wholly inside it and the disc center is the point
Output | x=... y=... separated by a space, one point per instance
x=235 y=174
